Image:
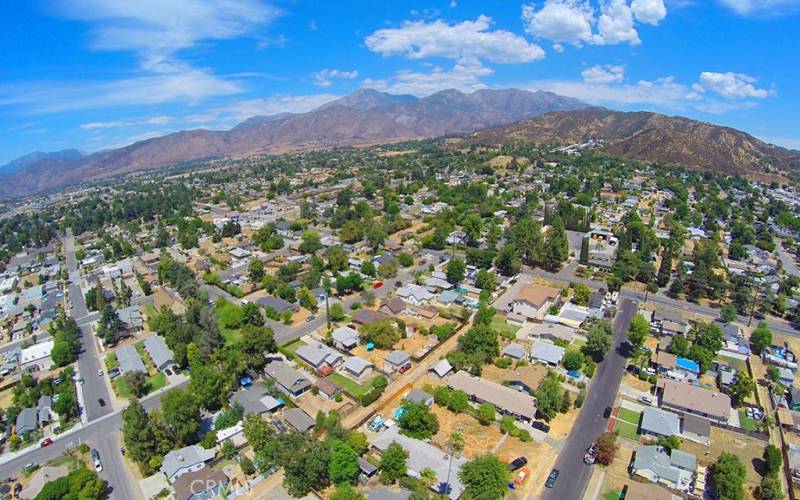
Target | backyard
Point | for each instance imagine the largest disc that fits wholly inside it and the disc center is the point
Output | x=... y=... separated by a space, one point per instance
x=504 y=329
x=350 y=386
x=153 y=383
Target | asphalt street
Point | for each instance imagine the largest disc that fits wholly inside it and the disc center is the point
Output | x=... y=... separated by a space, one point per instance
x=94 y=388
x=574 y=474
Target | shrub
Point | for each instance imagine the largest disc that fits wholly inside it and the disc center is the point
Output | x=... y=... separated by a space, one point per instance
x=503 y=362
x=589 y=368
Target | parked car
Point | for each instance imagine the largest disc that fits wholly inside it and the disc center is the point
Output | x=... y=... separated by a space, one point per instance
x=310 y=318
x=100 y=373
x=646 y=400
x=522 y=475
x=279 y=425
x=114 y=373
x=517 y=463
x=536 y=424
x=96 y=460
x=591 y=454
x=31 y=466
x=607 y=412
x=46 y=442
x=551 y=479
x=101 y=402
x=377 y=285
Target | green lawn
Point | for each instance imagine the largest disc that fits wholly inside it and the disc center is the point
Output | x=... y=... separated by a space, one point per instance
x=737 y=364
x=111 y=361
x=289 y=348
x=350 y=386
x=747 y=423
x=629 y=416
x=578 y=343
x=153 y=383
x=612 y=495
x=627 y=430
x=504 y=329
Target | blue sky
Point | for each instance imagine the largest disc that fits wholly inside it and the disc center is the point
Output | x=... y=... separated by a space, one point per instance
x=94 y=74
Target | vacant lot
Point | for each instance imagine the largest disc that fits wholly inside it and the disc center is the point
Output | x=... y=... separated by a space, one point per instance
x=749 y=450
x=541 y=458
x=478 y=439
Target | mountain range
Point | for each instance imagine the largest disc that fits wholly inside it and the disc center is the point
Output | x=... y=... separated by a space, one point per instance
x=651 y=137
x=370 y=117
x=362 y=118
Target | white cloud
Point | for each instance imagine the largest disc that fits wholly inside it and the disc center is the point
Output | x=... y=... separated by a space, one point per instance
x=761 y=7
x=730 y=85
x=616 y=24
x=602 y=87
x=649 y=11
x=463 y=77
x=153 y=120
x=579 y=22
x=604 y=74
x=157 y=29
x=467 y=40
x=324 y=77
x=563 y=21
x=237 y=111
x=191 y=86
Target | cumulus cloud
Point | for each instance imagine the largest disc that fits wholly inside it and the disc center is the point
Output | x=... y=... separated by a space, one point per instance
x=579 y=22
x=563 y=21
x=604 y=74
x=325 y=77
x=464 y=77
x=649 y=11
x=616 y=24
x=467 y=40
x=730 y=85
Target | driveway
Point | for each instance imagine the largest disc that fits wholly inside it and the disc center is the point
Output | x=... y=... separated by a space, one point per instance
x=590 y=423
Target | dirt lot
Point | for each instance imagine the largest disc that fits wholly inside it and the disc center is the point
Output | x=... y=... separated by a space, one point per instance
x=413 y=343
x=617 y=472
x=478 y=440
x=633 y=381
x=531 y=375
x=374 y=356
x=749 y=450
x=541 y=458
x=562 y=424
x=311 y=404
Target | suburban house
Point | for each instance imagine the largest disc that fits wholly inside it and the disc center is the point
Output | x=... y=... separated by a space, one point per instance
x=546 y=331
x=397 y=361
x=367 y=317
x=415 y=294
x=36 y=357
x=327 y=389
x=159 y=352
x=131 y=318
x=185 y=460
x=657 y=422
x=514 y=351
x=422 y=455
x=26 y=421
x=674 y=470
x=298 y=419
x=665 y=361
x=533 y=301
x=441 y=368
x=276 y=303
x=669 y=321
x=320 y=357
x=169 y=298
x=256 y=400
x=648 y=491
x=345 y=338
x=549 y=354
x=393 y=306
x=202 y=484
x=686 y=398
x=505 y=399
x=357 y=368
x=289 y=380
x=696 y=428
x=419 y=396
x=44 y=408
x=129 y=360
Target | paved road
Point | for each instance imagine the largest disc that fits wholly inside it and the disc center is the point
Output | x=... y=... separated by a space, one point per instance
x=101 y=434
x=105 y=439
x=787 y=260
x=574 y=474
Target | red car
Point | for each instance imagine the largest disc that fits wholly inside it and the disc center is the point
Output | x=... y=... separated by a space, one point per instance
x=377 y=285
x=46 y=442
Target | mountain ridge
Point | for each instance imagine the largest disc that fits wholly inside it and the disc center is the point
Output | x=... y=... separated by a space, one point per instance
x=362 y=118
x=651 y=137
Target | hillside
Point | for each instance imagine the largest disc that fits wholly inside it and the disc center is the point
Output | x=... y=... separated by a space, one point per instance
x=364 y=117
x=650 y=137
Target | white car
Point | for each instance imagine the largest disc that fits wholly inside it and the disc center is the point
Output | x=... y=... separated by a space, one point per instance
x=100 y=373
x=646 y=400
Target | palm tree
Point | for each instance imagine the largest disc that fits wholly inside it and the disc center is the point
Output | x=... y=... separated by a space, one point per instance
x=428 y=476
x=456 y=443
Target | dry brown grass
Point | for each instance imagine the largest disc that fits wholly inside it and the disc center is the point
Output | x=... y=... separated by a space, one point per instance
x=374 y=356
x=541 y=459
x=478 y=439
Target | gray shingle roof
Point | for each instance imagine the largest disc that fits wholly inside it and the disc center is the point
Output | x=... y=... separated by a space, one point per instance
x=288 y=377
x=129 y=360
x=660 y=422
x=186 y=457
x=298 y=419
x=549 y=353
x=26 y=420
x=356 y=365
x=158 y=350
x=398 y=358
x=318 y=354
